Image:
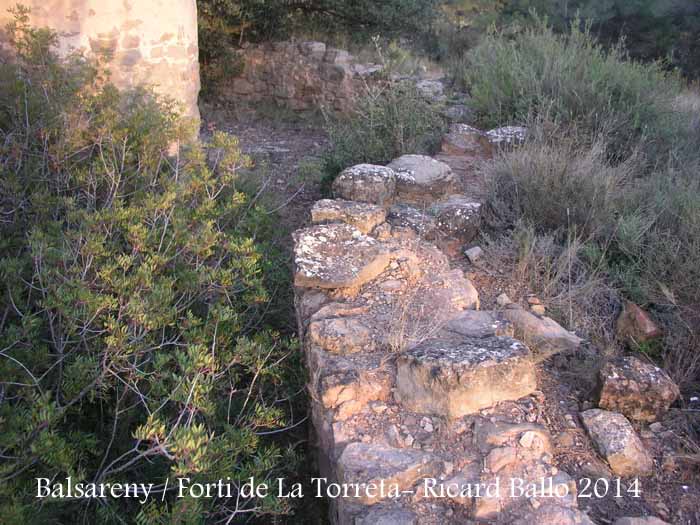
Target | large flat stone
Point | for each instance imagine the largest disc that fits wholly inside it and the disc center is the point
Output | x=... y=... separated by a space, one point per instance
x=366 y=183
x=421 y=179
x=337 y=256
x=363 y=216
x=364 y=464
x=617 y=442
x=456 y=378
x=639 y=390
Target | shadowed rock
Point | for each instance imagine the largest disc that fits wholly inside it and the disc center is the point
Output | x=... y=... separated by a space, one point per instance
x=639 y=390
x=387 y=517
x=405 y=216
x=362 y=463
x=644 y=520
x=464 y=140
x=455 y=378
x=458 y=217
x=541 y=333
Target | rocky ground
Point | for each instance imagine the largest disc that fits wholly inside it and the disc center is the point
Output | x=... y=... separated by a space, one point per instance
x=417 y=366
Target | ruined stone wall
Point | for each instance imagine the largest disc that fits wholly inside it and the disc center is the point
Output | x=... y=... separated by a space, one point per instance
x=143 y=41
x=426 y=408
x=297 y=75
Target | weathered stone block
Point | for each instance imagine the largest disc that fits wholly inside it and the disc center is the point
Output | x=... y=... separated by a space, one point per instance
x=463 y=140
x=639 y=390
x=366 y=183
x=363 y=216
x=421 y=179
x=617 y=442
x=337 y=256
x=405 y=216
x=458 y=217
x=453 y=379
x=635 y=326
x=365 y=464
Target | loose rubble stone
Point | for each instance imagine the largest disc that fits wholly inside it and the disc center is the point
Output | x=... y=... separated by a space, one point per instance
x=337 y=256
x=433 y=90
x=617 y=442
x=458 y=217
x=476 y=324
x=368 y=463
x=500 y=457
x=554 y=514
x=646 y=520
x=507 y=135
x=366 y=183
x=363 y=216
x=449 y=291
x=636 y=326
x=308 y=301
x=639 y=390
x=421 y=179
x=474 y=254
x=503 y=300
x=542 y=333
x=387 y=517
x=454 y=379
x=314 y=49
x=489 y=435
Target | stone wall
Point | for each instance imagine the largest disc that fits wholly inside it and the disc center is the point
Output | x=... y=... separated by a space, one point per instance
x=427 y=409
x=143 y=41
x=298 y=75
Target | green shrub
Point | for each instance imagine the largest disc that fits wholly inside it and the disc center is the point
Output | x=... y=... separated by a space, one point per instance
x=640 y=236
x=387 y=121
x=572 y=79
x=136 y=343
x=559 y=182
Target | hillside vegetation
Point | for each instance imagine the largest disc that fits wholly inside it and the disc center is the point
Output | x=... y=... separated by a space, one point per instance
x=139 y=338
x=610 y=168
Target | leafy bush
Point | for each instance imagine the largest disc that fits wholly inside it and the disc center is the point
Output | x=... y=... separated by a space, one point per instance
x=386 y=122
x=571 y=79
x=135 y=341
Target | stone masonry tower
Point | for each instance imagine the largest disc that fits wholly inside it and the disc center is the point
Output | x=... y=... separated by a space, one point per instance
x=143 y=41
